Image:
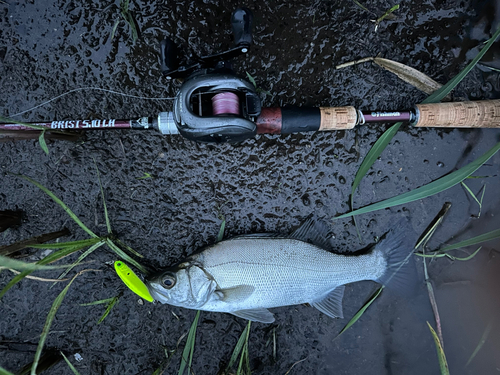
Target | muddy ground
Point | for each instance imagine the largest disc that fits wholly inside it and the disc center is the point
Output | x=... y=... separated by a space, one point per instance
x=269 y=184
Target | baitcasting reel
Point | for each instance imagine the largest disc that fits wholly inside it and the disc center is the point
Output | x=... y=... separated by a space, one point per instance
x=213 y=104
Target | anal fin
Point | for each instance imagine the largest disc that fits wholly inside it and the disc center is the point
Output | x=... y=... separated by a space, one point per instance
x=255 y=315
x=331 y=305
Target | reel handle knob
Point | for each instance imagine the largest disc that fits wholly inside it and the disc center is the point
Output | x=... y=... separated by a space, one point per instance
x=168 y=56
x=241 y=21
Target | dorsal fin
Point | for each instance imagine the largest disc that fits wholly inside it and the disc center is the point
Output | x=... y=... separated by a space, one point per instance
x=314 y=232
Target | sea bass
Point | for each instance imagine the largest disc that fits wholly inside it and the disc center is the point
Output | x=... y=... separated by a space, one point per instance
x=247 y=275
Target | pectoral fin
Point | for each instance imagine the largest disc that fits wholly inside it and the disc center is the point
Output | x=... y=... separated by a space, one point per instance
x=255 y=315
x=236 y=294
x=331 y=305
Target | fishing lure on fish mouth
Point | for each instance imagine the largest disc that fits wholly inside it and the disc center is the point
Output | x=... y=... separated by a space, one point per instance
x=247 y=275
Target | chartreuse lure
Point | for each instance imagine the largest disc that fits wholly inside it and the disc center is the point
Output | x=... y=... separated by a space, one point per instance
x=132 y=281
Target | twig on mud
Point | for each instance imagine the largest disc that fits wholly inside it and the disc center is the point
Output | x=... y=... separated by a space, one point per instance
x=351 y=63
x=302 y=360
x=39 y=278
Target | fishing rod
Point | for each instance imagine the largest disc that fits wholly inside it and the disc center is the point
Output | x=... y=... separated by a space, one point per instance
x=215 y=105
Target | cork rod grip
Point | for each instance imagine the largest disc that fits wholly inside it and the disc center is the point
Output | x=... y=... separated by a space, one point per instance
x=337 y=118
x=480 y=114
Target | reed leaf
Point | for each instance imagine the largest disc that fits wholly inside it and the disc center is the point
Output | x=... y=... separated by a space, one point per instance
x=50 y=318
x=6 y=262
x=443 y=365
x=125 y=257
x=60 y=203
x=187 y=353
x=108 y=224
x=239 y=346
x=361 y=311
x=48 y=259
x=432 y=188
x=62 y=245
x=87 y=252
x=70 y=365
x=245 y=359
x=484 y=337
x=5 y=372
x=100 y=302
x=110 y=306
x=220 y=236
x=43 y=144
x=473 y=241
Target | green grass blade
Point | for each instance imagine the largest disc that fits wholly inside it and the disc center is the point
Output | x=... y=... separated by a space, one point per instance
x=431 y=228
x=473 y=241
x=110 y=306
x=125 y=257
x=50 y=318
x=433 y=255
x=361 y=6
x=432 y=188
x=60 y=203
x=70 y=365
x=131 y=22
x=108 y=224
x=471 y=193
x=89 y=251
x=251 y=79
x=5 y=372
x=373 y=155
x=435 y=97
x=114 y=28
x=187 y=353
x=244 y=359
x=100 y=302
x=62 y=245
x=43 y=144
x=466 y=258
x=239 y=346
x=48 y=259
x=128 y=248
x=484 y=337
x=387 y=13
x=27 y=124
x=438 y=95
x=443 y=365
x=18 y=265
x=220 y=236
x=361 y=311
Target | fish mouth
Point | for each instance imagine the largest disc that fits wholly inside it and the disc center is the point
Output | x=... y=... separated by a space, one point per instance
x=156 y=291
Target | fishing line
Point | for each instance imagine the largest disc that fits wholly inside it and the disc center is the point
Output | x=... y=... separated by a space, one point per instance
x=90 y=88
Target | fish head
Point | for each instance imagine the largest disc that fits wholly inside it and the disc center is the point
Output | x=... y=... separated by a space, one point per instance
x=186 y=285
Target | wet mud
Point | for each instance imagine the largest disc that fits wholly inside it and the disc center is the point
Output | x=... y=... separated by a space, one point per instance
x=267 y=184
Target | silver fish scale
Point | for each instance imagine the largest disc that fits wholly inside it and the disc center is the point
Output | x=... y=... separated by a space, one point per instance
x=284 y=271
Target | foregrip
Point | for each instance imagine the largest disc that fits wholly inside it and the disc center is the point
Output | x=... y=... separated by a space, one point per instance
x=480 y=114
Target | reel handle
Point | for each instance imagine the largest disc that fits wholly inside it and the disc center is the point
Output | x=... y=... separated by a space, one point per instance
x=168 y=56
x=241 y=21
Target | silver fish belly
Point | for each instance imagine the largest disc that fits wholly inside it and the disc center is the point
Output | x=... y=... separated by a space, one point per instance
x=247 y=275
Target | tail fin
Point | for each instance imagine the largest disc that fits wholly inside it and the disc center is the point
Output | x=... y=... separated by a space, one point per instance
x=397 y=249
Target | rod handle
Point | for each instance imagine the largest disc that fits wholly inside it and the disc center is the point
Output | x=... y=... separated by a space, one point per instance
x=479 y=114
x=337 y=118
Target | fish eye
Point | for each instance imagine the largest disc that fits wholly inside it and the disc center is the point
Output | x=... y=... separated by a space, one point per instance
x=168 y=281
